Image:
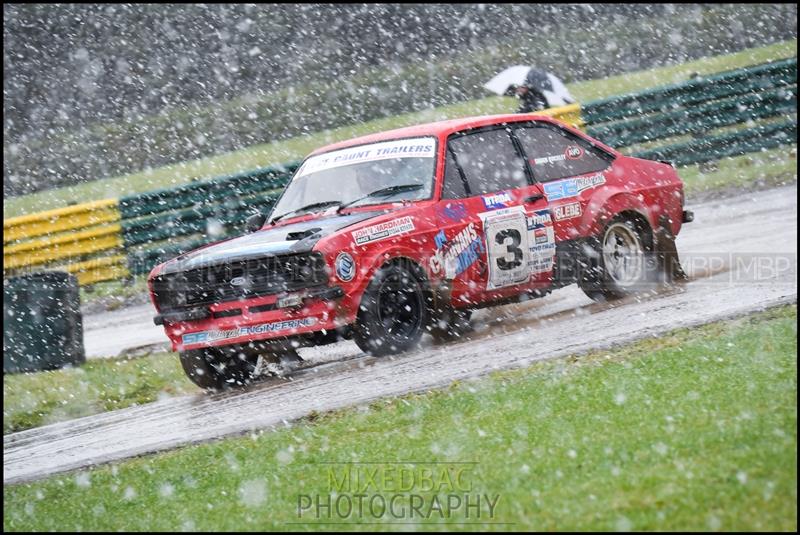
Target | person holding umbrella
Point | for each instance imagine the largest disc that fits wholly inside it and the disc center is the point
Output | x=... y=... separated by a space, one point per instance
x=535 y=88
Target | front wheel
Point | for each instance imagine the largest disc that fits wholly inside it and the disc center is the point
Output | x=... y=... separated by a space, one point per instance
x=393 y=314
x=619 y=263
x=219 y=368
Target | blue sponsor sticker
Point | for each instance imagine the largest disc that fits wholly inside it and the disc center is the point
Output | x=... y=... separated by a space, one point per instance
x=539 y=219
x=453 y=211
x=195 y=338
x=275 y=326
x=469 y=256
x=440 y=239
x=571 y=187
x=495 y=201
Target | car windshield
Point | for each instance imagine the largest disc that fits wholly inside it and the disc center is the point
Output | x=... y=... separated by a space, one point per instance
x=392 y=171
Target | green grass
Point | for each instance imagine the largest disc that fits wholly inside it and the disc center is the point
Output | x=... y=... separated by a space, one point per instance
x=637 y=81
x=116 y=293
x=292 y=149
x=773 y=167
x=34 y=399
x=695 y=430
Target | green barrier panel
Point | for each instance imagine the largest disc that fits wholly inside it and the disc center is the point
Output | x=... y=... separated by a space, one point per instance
x=154 y=202
x=751 y=79
x=697 y=119
x=733 y=144
x=670 y=102
x=172 y=224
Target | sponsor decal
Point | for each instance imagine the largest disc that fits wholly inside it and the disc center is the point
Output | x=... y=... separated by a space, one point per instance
x=539 y=219
x=440 y=239
x=276 y=326
x=424 y=147
x=573 y=152
x=497 y=200
x=345 y=267
x=567 y=211
x=572 y=187
x=383 y=230
x=458 y=254
x=453 y=211
x=542 y=240
x=549 y=159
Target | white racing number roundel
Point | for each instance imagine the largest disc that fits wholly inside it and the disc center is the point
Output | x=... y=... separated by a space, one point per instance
x=507 y=245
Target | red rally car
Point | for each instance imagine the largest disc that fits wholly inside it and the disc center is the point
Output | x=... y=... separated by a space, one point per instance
x=389 y=236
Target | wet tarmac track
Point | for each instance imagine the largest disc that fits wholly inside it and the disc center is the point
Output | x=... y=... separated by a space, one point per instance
x=740 y=254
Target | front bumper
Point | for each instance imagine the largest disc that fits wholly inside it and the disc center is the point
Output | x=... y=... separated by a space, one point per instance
x=204 y=312
x=257 y=319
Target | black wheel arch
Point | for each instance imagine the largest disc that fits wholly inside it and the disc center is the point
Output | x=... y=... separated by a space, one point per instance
x=434 y=295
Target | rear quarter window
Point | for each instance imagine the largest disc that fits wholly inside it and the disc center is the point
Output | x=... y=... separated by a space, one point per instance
x=554 y=153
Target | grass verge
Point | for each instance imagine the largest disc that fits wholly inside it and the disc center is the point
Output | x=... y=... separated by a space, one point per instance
x=695 y=430
x=111 y=295
x=757 y=170
x=34 y=399
x=292 y=149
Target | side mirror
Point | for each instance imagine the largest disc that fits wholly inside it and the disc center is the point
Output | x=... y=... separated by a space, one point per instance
x=255 y=222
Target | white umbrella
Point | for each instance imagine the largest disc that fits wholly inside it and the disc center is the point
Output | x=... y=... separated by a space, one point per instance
x=511 y=76
x=555 y=92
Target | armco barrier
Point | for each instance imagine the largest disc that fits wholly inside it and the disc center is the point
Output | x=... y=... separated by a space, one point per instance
x=107 y=240
x=199 y=213
x=747 y=80
x=762 y=137
x=84 y=240
x=60 y=220
x=698 y=119
x=570 y=114
x=708 y=111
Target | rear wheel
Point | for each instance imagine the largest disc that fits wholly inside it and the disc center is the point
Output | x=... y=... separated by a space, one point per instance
x=393 y=314
x=620 y=262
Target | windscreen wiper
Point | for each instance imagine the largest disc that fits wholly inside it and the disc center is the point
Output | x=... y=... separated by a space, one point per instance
x=383 y=191
x=311 y=206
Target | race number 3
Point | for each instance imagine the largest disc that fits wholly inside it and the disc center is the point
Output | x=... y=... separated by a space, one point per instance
x=507 y=246
x=502 y=238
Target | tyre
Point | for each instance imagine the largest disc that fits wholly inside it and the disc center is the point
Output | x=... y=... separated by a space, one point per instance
x=619 y=263
x=393 y=313
x=451 y=325
x=219 y=368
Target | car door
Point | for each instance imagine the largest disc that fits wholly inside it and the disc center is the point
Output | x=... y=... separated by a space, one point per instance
x=502 y=206
x=569 y=168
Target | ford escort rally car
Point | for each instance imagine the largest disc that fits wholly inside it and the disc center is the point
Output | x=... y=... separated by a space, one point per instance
x=387 y=237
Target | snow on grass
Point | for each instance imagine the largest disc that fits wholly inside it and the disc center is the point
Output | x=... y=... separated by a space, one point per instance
x=693 y=430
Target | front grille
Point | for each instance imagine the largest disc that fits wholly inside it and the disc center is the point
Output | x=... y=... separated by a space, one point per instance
x=239 y=280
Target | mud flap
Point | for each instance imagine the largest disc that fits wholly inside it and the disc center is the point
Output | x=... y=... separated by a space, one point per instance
x=667 y=253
